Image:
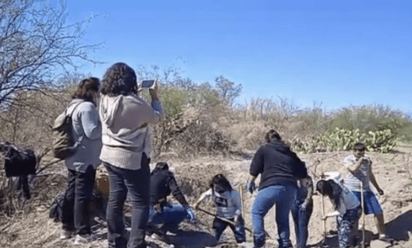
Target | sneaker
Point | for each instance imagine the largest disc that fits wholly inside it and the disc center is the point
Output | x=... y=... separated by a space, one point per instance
x=82 y=239
x=385 y=238
x=65 y=234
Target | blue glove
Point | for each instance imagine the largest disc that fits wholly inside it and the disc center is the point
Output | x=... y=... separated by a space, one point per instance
x=191 y=214
x=251 y=187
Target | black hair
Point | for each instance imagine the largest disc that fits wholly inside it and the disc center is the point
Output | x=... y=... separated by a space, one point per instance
x=272 y=134
x=119 y=79
x=160 y=166
x=359 y=146
x=222 y=181
x=331 y=189
x=86 y=89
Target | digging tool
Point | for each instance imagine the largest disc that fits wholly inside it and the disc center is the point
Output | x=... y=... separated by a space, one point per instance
x=363 y=216
x=229 y=221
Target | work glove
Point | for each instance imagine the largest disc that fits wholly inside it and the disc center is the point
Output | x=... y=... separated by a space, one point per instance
x=251 y=187
x=191 y=214
x=303 y=206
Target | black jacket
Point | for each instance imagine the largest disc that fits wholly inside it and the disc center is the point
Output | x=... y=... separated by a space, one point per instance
x=162 y=184
x=277 y=164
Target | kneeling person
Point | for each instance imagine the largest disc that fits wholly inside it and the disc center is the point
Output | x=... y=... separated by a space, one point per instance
x=162 y=184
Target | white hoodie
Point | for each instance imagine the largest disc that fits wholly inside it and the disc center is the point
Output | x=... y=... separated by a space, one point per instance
x=125 y=131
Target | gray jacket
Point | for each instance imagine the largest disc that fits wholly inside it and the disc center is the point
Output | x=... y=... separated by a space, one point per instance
x=86 y=124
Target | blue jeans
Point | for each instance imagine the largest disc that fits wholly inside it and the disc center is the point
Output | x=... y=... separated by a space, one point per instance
x=283 y=196
x=301 y=221
x=137 y=183
x=171 y=214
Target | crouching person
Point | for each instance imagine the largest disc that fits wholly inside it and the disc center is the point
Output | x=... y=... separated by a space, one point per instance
x=302 y=210
x=347 y=206
x=228 y=208
x=161 y=212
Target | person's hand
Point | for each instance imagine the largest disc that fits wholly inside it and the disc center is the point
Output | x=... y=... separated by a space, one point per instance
x=196 y=206
x=236 y=218
x=154 y=90
x=380 y=192
x=251 y=187
x=191 y=213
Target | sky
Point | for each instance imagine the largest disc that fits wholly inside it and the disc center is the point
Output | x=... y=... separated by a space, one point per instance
x=333 y=53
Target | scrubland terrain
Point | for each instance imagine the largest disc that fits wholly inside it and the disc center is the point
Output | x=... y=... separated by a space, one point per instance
x=36 y=229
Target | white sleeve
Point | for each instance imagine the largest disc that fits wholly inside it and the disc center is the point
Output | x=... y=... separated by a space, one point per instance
x=342 y=206
x=206 y=194
x=237 y=202
x=348 y=161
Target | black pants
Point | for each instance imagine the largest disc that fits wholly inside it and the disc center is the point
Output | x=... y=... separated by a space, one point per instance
x=23 y=185
x=76 y=201
x=239 y=230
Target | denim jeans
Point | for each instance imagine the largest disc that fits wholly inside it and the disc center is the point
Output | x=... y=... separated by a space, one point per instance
x=301 y=221
x=171 y=214
x=76 y=201
x=239 y=229
x=283 y=196
x=137 y=183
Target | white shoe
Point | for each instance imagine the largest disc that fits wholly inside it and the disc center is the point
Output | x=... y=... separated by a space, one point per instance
x=65 y=234
x=82 y=239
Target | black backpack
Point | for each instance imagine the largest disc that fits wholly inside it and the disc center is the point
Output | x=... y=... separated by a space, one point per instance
x=64 y=144
x=56 y=208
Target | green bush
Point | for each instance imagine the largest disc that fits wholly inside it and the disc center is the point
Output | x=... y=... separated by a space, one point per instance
x=344 y=139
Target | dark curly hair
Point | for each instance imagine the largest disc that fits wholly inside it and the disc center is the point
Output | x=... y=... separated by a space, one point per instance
x=119 y=79
x=86 y=89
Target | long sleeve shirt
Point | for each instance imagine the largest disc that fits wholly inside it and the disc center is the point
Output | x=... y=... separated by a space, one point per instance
x=162 y=184
x=228 y=204
x=86 y=125
x=277 y=164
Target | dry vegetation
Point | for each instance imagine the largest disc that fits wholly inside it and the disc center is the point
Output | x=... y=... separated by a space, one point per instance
x=199 y=140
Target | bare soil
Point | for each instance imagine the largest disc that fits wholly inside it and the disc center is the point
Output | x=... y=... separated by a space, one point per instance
x=392 y=172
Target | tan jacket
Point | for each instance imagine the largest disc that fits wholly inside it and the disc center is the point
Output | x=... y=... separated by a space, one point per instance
x=125 y=131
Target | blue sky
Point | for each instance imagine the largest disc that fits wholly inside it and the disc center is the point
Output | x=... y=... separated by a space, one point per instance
x=337 y=53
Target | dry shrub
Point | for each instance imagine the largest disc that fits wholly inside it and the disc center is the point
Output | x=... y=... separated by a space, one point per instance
x=190 y=134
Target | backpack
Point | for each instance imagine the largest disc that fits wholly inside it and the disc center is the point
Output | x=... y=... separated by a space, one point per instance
x=56 y=208
x=64 y=144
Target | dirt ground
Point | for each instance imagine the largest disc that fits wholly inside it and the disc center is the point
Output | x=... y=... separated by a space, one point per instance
x=392 y=172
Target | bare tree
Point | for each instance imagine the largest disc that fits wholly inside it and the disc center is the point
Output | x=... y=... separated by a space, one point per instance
x=37 y=46
x=227 y=89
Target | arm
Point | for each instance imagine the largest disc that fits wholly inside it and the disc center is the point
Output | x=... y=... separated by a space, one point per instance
x=91 y=124
x=354 y=167
x=205 y=195
x=308 y=182
x=238 y=204
x=373 y=180
x=177 y=194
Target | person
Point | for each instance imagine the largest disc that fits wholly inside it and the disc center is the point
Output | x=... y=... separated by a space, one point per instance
x=302 y=210
x=359 y=171
x=347 y=209
x=228 y=207
x=82 y=165
x=126 y=137
x=161 y=212
x=279 y=169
